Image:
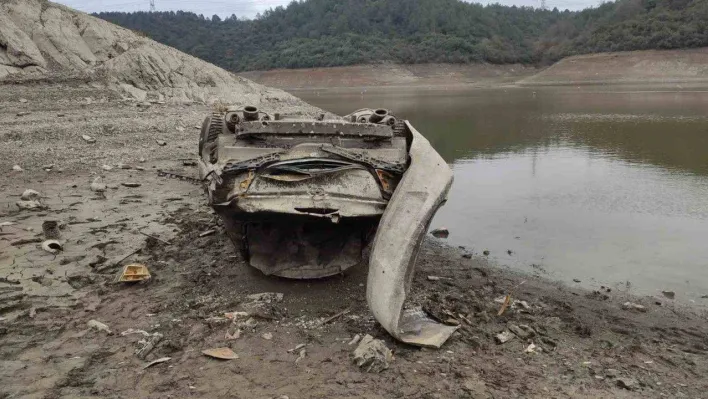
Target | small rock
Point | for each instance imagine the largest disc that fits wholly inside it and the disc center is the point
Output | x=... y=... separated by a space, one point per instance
x=61 y=115
x=467 y=256
x=522 y=331
x=372 y=355
x=179 y=129
x=161 y=143
x=23 y=100
x=296 y=348
x=575 y=280
x=88 y=138
x=433 y=278
x=267 y=297
x=17 y=168
x=189 y=163
x=29 y=195
x=629 y=384
x=98 y=326
x=48 y=167
x=301 y=356
x=131 y=185
x=124 y=166
x=669 y=294
x=440 y=233
x=486 y=253
x=23 y=113
x=29 y=205
x=221 y=353
x=142 y=160
x=611 y=373
x=107 y=167
x=98 y=186
x=531 y=348
x=140 y=168
x=504 y=337
x=267 y=336
x=634 y=307
x=510 y=252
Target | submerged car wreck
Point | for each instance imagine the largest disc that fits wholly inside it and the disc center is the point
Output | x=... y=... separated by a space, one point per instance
x=311 y=198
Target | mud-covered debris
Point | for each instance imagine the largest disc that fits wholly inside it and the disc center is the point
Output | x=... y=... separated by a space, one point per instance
x=157 y=361
x=634 y=307
x=372 y=355
x=50 y=228
x=29 y=205
x=98 y=186
x=52 y=246
x=522 y=331
x=267 y=297
x=17 y=168
x=221 y=353
x=440 y=233
x=669 y=294
x=230 y=337
x=267 y=336
x=88 y=138
x=131 y=184
x=207 y=233
x=629 y=384
x=98 y=326
x=134 y=273
x=161 y=143
x=504 y=337
x=236 y=315
x=355 y=340
x=146 y=345
x=29 y=195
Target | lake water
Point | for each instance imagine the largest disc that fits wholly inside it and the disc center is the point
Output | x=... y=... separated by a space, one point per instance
x=606 y=185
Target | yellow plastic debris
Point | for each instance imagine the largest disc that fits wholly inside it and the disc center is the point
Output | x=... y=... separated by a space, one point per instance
x=133 y=273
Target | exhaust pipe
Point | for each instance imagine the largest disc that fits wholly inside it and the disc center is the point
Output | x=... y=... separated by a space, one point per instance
x=250 y=113
x=378 y=115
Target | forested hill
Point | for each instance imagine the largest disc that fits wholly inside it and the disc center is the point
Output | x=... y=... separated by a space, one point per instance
x=317 y=33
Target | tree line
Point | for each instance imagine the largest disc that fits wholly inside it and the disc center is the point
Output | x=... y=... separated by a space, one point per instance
x=322 y=33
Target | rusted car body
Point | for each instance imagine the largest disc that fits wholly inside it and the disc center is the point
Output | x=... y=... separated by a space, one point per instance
x=312 y=198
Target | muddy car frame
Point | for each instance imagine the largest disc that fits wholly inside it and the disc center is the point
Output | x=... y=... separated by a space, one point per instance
x=310 y=198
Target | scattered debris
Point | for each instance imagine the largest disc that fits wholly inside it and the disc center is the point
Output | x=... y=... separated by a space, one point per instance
x=522 y=331
x=355 y=340
x=335 y=316
x=634 y=307
x=155 y=238
x=267 y=297
x=157 y=361
x=147 y=345
x=17 y=168
x=98 y=326
x=25 y=241
x=88 y=138
x=531 y=348
x=301 y=356
x=504 y=337
x=297 y=348
x=29 y=195
x=440 y=233
x=132 y=331
x=52 y=246
x=221 y=353
x=207 y=233
x=669 y=294
x=505 y=304
x=134 y=273
x=372 y=355
x=267 y=336
x=131 y=185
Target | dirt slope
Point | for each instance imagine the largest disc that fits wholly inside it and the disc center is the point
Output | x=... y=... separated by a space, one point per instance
x=40 y=40
x=655 y=66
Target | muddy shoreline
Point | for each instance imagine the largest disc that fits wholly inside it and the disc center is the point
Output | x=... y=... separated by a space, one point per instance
x=585 y=343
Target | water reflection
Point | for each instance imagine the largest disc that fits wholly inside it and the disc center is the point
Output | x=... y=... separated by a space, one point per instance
x=604 y=185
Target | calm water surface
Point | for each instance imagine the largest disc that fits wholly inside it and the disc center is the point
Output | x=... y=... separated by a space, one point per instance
x=604 y=185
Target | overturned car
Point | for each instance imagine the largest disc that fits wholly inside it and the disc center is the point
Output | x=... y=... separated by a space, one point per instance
x=311 y=198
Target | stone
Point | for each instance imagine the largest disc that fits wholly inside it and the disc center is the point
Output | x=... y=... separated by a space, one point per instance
x=669 y=294
x=441 y=232
x=504 y=337
x=98 y=186
x=88 y=138
x=629 y=384
x=29 y=195
x=17 y=168
x=635 y=307
x=522 y=331
x=372 y=355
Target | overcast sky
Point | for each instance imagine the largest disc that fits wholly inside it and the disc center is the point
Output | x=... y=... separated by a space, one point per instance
x=249 y=8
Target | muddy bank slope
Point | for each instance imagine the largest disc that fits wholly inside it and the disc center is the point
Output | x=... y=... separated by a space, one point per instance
x=642 y=67
x=482 y=75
